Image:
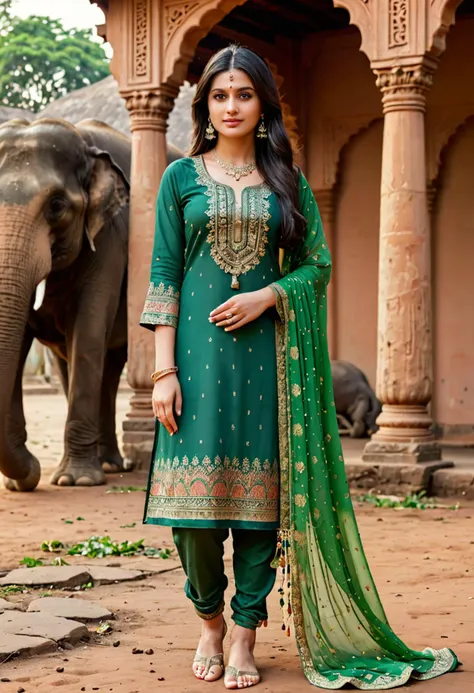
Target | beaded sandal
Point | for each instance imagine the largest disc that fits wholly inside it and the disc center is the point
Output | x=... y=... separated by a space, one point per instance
x=237 y=674
x=209 y=662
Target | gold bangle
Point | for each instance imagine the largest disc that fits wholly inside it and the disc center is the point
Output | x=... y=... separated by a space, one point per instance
x=160 y=374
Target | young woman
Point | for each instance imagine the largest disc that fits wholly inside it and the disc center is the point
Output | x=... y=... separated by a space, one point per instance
x=248 y=437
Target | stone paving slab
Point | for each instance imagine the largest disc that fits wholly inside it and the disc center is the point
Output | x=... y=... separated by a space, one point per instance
x=7 y=606
x=23 y=644
x=77 y=609
x=59 y=576
x=43 y=626
x=102 y=575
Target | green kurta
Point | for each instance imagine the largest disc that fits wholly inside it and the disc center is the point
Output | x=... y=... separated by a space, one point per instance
x=221 y=468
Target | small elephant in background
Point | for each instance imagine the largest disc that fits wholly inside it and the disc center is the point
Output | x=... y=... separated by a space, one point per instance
x=357 y=406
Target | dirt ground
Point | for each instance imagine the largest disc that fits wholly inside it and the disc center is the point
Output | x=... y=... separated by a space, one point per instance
x=423 y=563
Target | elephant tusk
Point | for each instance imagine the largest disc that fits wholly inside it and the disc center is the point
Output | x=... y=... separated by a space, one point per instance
x=39 y=297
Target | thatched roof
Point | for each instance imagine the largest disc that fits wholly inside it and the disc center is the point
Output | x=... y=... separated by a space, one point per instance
x=7 y=113
x=102 y=101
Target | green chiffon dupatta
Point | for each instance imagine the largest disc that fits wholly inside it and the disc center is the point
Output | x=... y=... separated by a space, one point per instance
x=341 y=630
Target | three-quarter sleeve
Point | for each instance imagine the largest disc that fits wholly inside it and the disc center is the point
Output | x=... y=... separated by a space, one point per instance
x=162 y=301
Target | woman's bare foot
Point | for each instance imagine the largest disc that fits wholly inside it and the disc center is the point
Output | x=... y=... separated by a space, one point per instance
x=242 y=671
x=208 y=664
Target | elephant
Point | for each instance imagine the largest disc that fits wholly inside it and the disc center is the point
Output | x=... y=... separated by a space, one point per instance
x=64 y=195
x=357 y=406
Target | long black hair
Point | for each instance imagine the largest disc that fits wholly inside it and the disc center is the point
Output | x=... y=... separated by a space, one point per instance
x=273 y=155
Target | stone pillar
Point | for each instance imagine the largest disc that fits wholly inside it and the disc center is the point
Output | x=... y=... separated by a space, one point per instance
x=149 y=110
x=325 y=198
x=404 y=360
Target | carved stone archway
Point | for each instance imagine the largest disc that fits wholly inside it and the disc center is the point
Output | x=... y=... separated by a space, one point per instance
x=184 y=25
x=450 y=139
x=446 y=127
x=362 y=16
x=442 y=14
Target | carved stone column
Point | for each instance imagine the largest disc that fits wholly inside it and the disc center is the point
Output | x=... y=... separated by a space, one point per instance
x=404 y=360
x=149 y=110
x=325 y=200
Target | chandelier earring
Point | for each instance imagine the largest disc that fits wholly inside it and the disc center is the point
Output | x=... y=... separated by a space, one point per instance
x=262 y=132
x=210 y=131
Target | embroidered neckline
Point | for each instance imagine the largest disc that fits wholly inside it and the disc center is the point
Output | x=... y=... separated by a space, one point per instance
x=204 y=175
x=235 y=250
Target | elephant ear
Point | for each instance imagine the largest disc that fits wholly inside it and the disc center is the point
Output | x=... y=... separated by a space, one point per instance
x=109 y=191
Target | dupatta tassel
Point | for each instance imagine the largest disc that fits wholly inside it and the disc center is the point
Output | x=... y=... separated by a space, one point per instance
x=282 y=560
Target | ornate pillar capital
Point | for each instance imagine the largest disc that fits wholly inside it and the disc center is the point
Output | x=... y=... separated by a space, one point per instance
x=149 y=108
x=404 y=87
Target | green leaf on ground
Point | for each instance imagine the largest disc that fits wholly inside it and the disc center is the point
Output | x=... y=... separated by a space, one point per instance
x=133 y=524
x=101 y=547
x=80 y=519
x=151 y=552
x=68 y=522
x=418 y=501
x=31 y=562
x=52 y=546
x=104 y=628
x=11 y=589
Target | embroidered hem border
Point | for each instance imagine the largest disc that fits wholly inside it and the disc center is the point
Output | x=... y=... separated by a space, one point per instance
x=161 y=305
x=212 y=509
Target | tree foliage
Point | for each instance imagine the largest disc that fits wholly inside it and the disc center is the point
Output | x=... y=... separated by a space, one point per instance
x=40 y=60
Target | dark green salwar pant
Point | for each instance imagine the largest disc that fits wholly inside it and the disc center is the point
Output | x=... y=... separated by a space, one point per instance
x=202 y=555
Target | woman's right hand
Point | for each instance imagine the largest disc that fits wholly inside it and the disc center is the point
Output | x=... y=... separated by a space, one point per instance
x=167 y=399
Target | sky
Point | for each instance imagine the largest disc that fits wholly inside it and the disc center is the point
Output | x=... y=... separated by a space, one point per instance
x=79 y=14
x=74 y=13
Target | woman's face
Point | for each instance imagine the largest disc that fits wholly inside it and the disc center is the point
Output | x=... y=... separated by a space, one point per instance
x=234 y=107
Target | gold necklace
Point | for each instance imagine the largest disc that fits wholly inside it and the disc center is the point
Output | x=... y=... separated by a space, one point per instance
x=233 y=170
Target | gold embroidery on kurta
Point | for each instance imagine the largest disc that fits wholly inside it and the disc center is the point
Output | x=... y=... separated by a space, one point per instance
x=237 y=233
x=161 y=305
x=220 y=489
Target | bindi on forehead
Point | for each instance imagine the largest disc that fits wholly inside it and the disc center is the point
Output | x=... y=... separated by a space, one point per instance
x=232 y=79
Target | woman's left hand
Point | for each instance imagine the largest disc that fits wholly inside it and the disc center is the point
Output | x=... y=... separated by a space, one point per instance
x=243 y=308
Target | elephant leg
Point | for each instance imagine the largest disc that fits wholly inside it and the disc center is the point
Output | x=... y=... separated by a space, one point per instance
x=16 y=427
x=358 y=414
x=109 y=453
x=62 y=373
x=80 y=465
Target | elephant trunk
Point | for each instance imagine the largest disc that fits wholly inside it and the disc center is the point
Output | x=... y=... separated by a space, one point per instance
x=20 y=271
